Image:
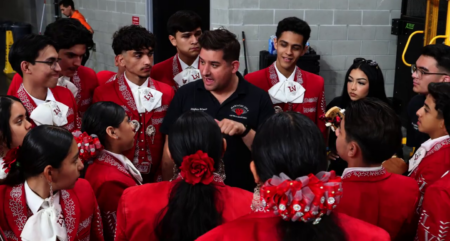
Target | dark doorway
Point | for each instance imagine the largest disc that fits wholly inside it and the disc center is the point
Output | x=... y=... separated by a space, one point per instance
x=162 y=10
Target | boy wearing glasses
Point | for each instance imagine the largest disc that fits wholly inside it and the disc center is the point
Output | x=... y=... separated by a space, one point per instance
x=432 y=66
x=72 y=40
x=290 y=88
x=432 y=159
x=35 y=59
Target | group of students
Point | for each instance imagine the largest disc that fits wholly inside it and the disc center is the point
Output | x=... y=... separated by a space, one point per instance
x=172 y=151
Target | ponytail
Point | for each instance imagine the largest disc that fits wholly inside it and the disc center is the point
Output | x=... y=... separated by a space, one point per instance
x=191 y=212
x=196 y=146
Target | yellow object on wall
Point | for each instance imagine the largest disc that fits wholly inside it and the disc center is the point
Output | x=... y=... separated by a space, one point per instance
x=9 y=42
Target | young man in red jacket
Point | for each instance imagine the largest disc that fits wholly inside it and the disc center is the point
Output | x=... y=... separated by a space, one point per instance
x=72 y=40
x=369 y=134
x=184 y=29
x=290 y=88
x=144 y=99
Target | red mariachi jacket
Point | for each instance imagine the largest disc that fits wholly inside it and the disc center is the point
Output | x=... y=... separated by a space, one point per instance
x=382 y=199
x=147 y=152
x=435 y=217
x=136 y=218
x=2 y=235
x=260 y=226
x=313 y=105
x=105 y=76
x=84 y=79
x=435 y=163
x=109 y=179
x=80 y=210
x=167 y=70
x=62 y=95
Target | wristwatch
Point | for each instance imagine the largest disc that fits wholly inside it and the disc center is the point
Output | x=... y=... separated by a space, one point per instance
x=247 y=130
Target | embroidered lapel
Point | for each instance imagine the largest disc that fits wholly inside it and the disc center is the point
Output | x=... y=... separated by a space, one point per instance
x=272 y=77
x=77 y=82
x=16 y=209
x=26 y=99
x=125 y=95
x=438 y=146
x=110 y=160
x=176 y=66
x=70 y=206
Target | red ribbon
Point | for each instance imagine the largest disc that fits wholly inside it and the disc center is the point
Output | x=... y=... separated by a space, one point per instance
x=10 y=159
x=88 y=145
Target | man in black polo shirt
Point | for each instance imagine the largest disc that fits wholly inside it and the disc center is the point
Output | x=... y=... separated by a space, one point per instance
x=432 y=66
x=238 y=106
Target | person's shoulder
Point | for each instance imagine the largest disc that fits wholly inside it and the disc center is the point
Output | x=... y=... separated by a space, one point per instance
x=149 y=189
x=359 y=230
x=254 y=89
x=162 y=67
x=253 y=76
x=406 y=184
x=441 y=186
x=86 y=71
x=165 y=88
x=82 y=185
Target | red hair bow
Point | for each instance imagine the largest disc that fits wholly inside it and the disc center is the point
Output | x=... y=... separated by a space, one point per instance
x=196 y=168
x=10 y=159
x=306 y=198
x=88 y=145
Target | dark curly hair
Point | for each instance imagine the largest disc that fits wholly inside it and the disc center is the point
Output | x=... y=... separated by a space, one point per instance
x=68 y=32
x=221 y=39
x=441 y=95
x=296 y=25
x=132 y=37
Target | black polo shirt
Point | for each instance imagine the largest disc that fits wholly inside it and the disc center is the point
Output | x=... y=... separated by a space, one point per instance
x=248 y=105
x=415 y=138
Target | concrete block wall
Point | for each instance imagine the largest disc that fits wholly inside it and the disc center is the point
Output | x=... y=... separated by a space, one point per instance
x=27 y=11
x=341 y=31
x=106 y=17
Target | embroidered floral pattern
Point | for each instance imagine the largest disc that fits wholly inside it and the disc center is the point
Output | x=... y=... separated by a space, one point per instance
x=309 y=110
x=85 y=224
x=322 y=103
x=10 y=235
x=111 y=219
x=274 y=76
x=157 y=121
x=23 y=96
x=16 y=206
x=310 y=100
x=86 y=101
x=125 y=93
x=70 y=126
x=175 y=69
x=98 y=221
x=111 y=79
x=161 y=108
x=106 y=158
x=125 y=109
x=69 y=208
x=376 y=173
x=77 y=83
x=438 y=146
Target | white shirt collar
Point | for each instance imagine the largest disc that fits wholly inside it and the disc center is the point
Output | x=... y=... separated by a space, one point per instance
x=281 y=77
x=119 y=157
x=361 y=169
x=134 y=86
x=34 y=202
x=431 y=142
x=184 y=65
x=48 y=97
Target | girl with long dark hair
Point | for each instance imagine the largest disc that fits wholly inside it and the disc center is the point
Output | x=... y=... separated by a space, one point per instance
x=295 y=197
x=196 y=200
x=363 y=79
x=111 y=172
x=42 y=197
x=13 y=128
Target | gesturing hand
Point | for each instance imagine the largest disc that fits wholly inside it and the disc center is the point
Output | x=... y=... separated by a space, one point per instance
x=229 y=127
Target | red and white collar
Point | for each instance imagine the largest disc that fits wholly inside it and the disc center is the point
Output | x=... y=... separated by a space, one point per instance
x=363 y=172
x=431 y=142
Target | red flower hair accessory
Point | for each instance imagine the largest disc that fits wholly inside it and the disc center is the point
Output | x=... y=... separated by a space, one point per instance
x=333 y=117
x=10 y=159
x=197 y=168
x=88 y=145
x=307 y=198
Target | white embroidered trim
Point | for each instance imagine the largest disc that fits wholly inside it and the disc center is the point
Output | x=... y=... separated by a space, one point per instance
x=111 y=220
x=16 y=207
x=310 y=100
x=86 y=101
x=104 y=157
x=161 y=108
x=274 y=77
x=23 y=96
x=309 y=110
x=356 y=173
x=157 y=121
x=69 y=207
x=77 y=83
x=175 y=69
x=85 y=224
x=10 y=235
x=438 y=146
x=125 y=93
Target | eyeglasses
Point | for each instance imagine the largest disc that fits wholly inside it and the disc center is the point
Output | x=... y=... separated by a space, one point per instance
x=368 y=61
x=52 y=64
x=421 y=72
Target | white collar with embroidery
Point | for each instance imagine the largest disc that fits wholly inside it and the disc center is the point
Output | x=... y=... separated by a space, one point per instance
x=38 y=101
x=431 y=142
x=361 y=169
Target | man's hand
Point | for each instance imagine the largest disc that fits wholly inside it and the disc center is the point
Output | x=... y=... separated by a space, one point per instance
x=229 y=127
